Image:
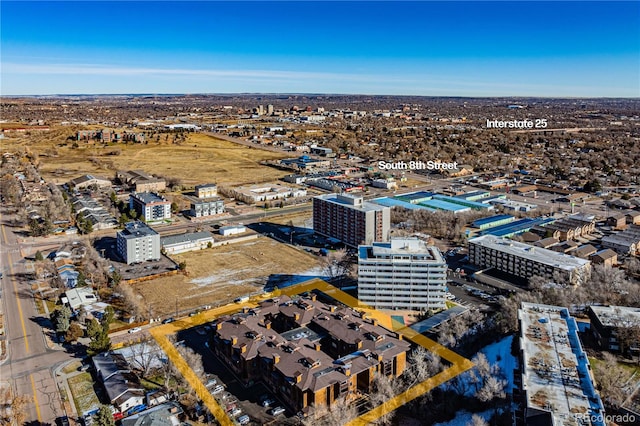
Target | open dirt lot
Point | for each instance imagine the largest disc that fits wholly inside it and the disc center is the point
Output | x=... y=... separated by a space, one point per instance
x=221 y=274
x=201 y=158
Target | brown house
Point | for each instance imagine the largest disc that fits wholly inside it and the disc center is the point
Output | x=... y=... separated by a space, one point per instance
x=617 y=221
x=605 y=257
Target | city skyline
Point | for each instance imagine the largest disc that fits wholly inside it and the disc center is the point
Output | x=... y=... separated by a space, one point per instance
x=547 y=49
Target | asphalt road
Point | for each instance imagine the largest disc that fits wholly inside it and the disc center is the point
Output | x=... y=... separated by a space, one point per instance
x=29 y=364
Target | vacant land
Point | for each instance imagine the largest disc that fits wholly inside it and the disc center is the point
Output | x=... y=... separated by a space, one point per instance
x=201 y=158
x=221 y=274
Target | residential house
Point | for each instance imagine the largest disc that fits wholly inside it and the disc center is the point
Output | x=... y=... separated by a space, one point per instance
x=122 y=386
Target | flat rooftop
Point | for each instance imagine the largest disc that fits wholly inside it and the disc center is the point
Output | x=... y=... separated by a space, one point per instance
x=556 y=370
x=491 y=219
x=516 y=227
x=396 y=202
x=149 y=197
x=185 y=238
x=398 y=247
x=536 y=254
x=353 y=201
x=137 y=229
x=617 y=316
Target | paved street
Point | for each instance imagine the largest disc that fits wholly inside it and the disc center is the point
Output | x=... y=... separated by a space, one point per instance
x=30 y=361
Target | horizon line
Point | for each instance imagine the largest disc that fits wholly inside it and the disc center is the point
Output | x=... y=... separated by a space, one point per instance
x=316 y=94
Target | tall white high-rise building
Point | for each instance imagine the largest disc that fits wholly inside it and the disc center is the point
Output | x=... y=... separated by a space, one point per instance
x=402 y=274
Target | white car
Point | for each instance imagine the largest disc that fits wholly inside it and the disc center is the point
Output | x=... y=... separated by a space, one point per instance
x=135 y=329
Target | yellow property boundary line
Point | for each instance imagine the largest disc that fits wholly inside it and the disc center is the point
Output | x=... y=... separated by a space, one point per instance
x=458 y=366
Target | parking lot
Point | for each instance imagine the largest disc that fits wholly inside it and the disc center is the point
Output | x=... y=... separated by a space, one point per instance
x=236 y=399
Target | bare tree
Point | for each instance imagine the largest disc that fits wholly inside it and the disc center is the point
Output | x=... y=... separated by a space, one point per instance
x=384 y=388
x=339 y=413
x=144 y=355
x=13 y=407
x=611 y=378
x=476 y=420
x=193 y=359
x=422 y=365
x=336 y=264
x=133 y=304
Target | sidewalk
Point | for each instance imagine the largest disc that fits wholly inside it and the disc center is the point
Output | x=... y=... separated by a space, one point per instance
x=61 y=381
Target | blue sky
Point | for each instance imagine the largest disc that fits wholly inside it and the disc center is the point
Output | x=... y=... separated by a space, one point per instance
x=506 y=48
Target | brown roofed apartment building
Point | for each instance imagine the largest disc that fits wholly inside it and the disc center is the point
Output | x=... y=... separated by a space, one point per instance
x=306 y=351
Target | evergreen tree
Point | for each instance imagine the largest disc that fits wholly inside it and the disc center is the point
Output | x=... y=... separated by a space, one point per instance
x=104 y=417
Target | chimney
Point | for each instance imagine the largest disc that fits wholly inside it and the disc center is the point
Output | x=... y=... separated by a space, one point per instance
x=245 y=310
x=316 y=346
x=243 y=348
x=276 y=358
x=346 y=370
x=313 y=297
x=374 y=321
x=358 y=343
x=297 y=376
x=332 y=308
x=234 y=340
x=267 y=325
x=296 y=316
x=399 y=336
x=218 y=325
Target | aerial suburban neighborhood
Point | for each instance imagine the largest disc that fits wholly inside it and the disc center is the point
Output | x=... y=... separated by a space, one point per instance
x=178 y=255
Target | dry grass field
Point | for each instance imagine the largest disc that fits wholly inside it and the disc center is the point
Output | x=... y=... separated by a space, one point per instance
x=221 y=274
x=200 y=159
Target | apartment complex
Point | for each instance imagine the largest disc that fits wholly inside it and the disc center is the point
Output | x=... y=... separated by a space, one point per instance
x=350 y=219
x=207 y=190
x=139 y=181
x=307 y=352
x=625 y=242
x=137 y=243
x=204 y=207
x=556 y=386
x=402 y=274
x=151 y=206
x=525 y=261
x=616 y=328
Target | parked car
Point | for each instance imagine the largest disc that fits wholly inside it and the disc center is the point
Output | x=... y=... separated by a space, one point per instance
x=211 y=383
x=217 y=389
x=276 y=410
x=243 y=420
x=135 y=329
x=268 y=402
x=168 y=320
x=236 y=412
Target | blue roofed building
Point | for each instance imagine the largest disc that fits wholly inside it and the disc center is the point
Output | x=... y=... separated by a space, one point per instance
x=492 y=221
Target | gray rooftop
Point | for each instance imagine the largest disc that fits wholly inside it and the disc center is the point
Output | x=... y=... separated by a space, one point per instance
x=137 y=229
x=556 y=374
x=148 y=197
x=185 y=238
x=617 y=316
x=536 y=254
x=353 y=201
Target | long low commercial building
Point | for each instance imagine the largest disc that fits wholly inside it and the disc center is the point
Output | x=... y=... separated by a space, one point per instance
x=525 y=261
x=181 y=243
